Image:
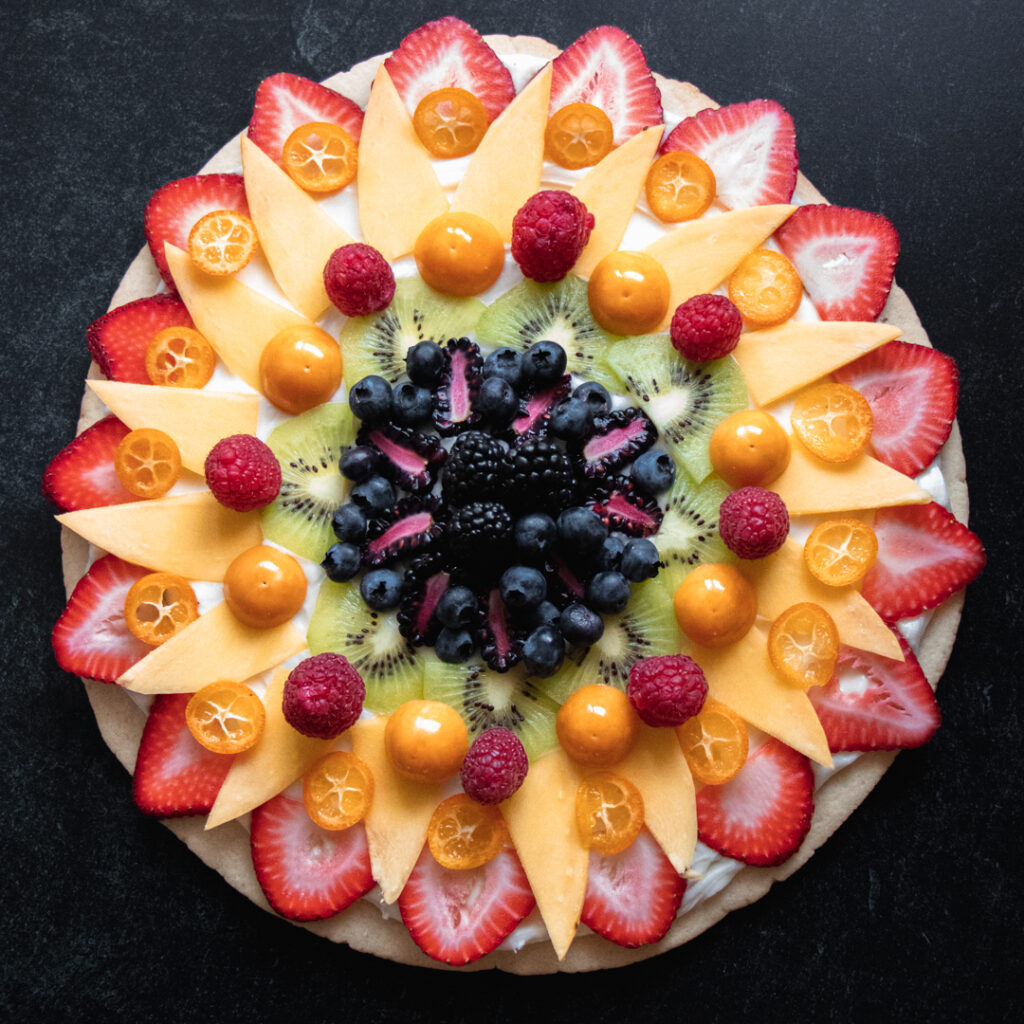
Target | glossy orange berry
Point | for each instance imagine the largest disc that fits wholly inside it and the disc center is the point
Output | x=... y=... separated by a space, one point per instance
x=320 y=157
x=226 y=717
x=159 y=606
x=450 y=122
x=803 y=645
x=222 y=242
x=609 y=812
x=628 y=293
x=337 y=791
x=459 y=254
x=749 y=449
x=264 y=587
x=180 y=357
x=300 y=367
x=766 y=288
x=578 y=135
x=715 y=605
x=426 y=740
x=147 y=462
x=833 y=421
x=463 y=834
x=597 y=725
x=680 y=186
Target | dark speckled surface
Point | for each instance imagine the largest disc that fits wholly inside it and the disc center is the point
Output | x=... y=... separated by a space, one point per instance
x=909 y=913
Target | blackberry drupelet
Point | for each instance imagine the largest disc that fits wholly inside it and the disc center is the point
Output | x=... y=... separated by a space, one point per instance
x=479 y=528
x=541 y=476
x=476 y=468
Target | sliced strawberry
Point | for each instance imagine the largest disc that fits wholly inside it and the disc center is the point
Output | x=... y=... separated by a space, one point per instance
x=307 y=872
x=82 y=474
x=845 y=258
x=174 y=775
x=284 y=102
x=924 y=555
x=607 y=68
x=895 y=711
x=173 y=210
x=448 y=53
x=119 y=339
x=913 y=392
x=762 y=815
x=751 y=147
x=459 y=916
x=91 y=638
x=632 y=897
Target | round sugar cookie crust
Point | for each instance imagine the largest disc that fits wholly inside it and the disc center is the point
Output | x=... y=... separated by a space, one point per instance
x=362 y=926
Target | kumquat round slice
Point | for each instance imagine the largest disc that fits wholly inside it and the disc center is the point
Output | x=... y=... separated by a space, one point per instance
x=464 y=834
x=840 y=551
x=337 y=791
x=715 y=743
x=766 y=288
x=803 y=645
x=578 y=135
x=159 y=606
x=147 y=462
x=225 y=717
x=180 y=357
x=320 y=157
x=609 y=812
x=450 y=122
x=679 y=186
x=222 y=242
x=833 y=421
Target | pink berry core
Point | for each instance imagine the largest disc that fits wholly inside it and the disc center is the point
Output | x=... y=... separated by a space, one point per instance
x=666 y=690
x=243 y=473
x=495 y=766
x=323 y=696
x=753 y=522
x=358 y=279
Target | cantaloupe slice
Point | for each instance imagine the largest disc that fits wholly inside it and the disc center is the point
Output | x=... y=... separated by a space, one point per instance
x=296 y=235
x=779 y=360
x=192 y=535
x=541 y=818
x=196 y=420
x=237 y=320
x=699 y=255
x=505 y=169
x=215 y=646
x=396 y=826
x=398 y=189
x=610 y=191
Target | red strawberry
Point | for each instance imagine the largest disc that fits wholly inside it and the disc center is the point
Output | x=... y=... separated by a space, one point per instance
x=896 y=711
x=607 y=68
x=284 y=102
x=119 y=339
x=912 y=391
x=82 y=474
x=173 y=210
x=751 y=147
x=91 y=638
x=459 y=916
x=449 y=53
x=845 y=259
x=307 y=872
x=762 y=815
x=175 y=775
x=632 y=897
x=924 y=555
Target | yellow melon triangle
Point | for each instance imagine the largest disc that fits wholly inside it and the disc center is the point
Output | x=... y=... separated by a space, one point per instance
x=192 y=535
x=779 y=360
x=296 y=234
x=216 y=646
x=237 y=320
x=396 y=825
x=541 y=818
x=657 y=767
x=280 y=757
x=700 y=255
x=808 y=485
x=196 y=420
x=610 y=192
x=505 y=169
x=741 y=676
x=398 y=190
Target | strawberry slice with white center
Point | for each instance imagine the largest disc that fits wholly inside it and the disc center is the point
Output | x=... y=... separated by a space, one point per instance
x=307 y=872
x=763 y=813
x=445 y=54
x=606 y=68
x=174 y=774
x=896 y=710
x=632 y=897
x=82 y=474
x=913 y=392
x=174 y=208
x=284 y=102
x=751 y=147
x=457 y=917
x=845 y=258
x=924 y=555
x=91 y=638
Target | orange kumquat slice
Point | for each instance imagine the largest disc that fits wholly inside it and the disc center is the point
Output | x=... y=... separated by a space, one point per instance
x=714 y=742
x=833 y=421
x=803 y=645
x=159 y=606
x=147 y=462
x=222 y=242
x=225 y=717
x=609 y=812
x=450 y=122
x=578 y=135
x=840 y=551
x=180 y=357
x=679 y=186
x=766 y=288
x=320 y=157
x=463 y=834
x=337 y=791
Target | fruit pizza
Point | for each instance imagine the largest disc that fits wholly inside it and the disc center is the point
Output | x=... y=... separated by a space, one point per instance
x=514 y=517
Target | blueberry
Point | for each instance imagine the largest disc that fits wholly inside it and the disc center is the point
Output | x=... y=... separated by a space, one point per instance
x=506 y=363
x=424 y=363
x=595 y=396
x=654 y=472
x=374 y=496
x=522 y=587
x=341 y=562
x=535 y=535
x=348 y=523
x=543 y=614
x=359 y=462
x=580 y=625
x=543 y=651
x=608 y=592
x=570 y=420
x=581 y=531
x=640 y=560
x=370 y=398
x=454 y=645
x=497 y=401
x=381 y=589
x=544 y=364
x=457 y=608
x=412 y=404
x=609 y=558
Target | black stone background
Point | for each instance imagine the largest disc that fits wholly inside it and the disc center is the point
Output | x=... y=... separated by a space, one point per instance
x=909 y=913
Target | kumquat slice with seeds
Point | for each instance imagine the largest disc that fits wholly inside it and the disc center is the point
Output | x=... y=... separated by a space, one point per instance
x=609 y=812
x=840 y=551
x=715 y=743
x=833 y=421
x=222 y=242
x=450 y=122
x=766 y=288
x=147 y=462
x=679 y=186
x=160 y=606
x=180 y=357
x=803 y=645
x=578 y=135
x=320 y=157
x=464 y=834
x=225 y=717
x=337 y=791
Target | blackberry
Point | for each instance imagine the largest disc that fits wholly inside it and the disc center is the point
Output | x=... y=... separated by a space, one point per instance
x=541 y=477
x=475 y=469
x=479 y=528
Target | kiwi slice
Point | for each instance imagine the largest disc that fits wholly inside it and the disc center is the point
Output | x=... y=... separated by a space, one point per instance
x=312 y=487
x=686 y=400
x=371 y=641
x=558 y=312
x=485 y=698
x=378 y=344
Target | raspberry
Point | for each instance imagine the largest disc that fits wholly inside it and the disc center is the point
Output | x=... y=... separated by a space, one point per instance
x=495 y=766
x=323 y=696
x=549 y=232
x=706 y=327
x=753 y=522
x=359 y=280
x=243 y=472
x=667 y=690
